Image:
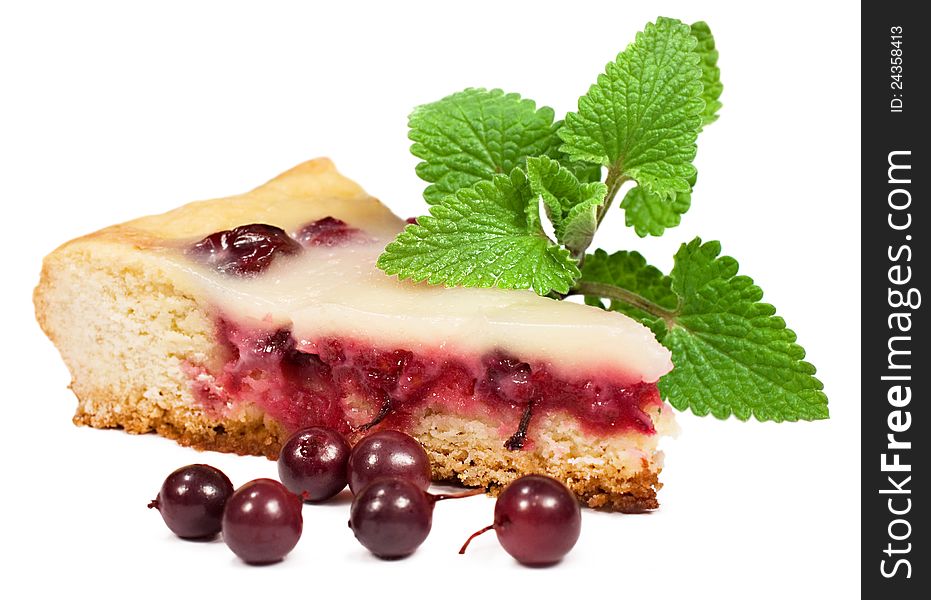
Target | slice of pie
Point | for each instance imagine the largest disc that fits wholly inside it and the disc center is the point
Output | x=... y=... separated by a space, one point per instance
x=228 y=323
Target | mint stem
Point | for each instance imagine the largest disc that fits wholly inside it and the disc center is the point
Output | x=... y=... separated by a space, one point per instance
x=613 y=292
x=614 y=181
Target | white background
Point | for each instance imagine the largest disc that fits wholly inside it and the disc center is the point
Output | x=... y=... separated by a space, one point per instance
x=110 y=112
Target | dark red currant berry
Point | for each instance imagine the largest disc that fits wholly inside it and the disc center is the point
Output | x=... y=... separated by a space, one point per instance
x=388 y=454
x=191 y=501
x=245 y=250
x=327 y=231
x=313 y=462
x=262 y=521
x=537 y=520
x=391 y=517
x=507 y=378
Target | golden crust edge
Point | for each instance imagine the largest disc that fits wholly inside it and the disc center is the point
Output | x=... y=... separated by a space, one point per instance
x=254 y=434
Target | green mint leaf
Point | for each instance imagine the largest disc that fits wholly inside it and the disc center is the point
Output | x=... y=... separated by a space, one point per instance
x=732 y=354
x=651 y=214
x=630 y=271
x=476 y=134
x=642 y=117
x=710 y=73
x=572 y=206
x=485 y=235
x=585 y=172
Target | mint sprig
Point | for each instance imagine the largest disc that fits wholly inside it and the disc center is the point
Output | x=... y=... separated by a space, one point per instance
x=493 y=159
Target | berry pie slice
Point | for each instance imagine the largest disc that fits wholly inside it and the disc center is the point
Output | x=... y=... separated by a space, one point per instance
x=229 y=323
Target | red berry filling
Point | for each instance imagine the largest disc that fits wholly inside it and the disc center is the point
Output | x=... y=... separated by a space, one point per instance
x=348 y=385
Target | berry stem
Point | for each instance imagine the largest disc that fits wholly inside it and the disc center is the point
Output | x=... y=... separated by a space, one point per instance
x=516 y=441
x=475 y=492
x=473 y=536
x=153 y=504
x=384 y=411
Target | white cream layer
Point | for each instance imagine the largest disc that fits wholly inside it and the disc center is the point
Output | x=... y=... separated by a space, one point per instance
x=339 y=292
